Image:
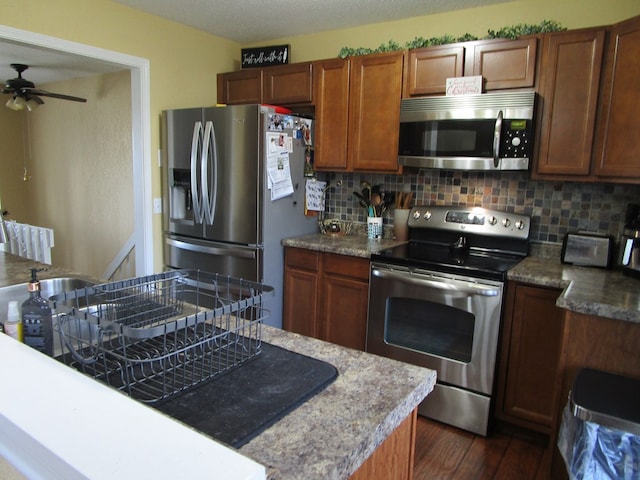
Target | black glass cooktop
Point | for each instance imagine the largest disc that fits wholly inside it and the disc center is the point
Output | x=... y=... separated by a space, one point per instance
x=444 y=258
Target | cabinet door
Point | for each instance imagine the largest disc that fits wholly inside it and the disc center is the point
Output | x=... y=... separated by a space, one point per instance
x=374 y=112
x=345 y=295
x=344 y=312
x=301 y=281
x=287 y=84
x=504 y=64
x=427 y=69
x=530 y=371
x=618 y=143
x=331 y=99
x=570 y=70
x=240 y=87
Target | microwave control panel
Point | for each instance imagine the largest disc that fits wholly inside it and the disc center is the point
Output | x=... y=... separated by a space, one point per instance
x=516 y=139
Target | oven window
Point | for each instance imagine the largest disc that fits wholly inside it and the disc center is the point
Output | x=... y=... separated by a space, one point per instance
x=429 y=327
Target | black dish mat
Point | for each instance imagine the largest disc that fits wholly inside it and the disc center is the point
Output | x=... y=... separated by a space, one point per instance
x=242 y=403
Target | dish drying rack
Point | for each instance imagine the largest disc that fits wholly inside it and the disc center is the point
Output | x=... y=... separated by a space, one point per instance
x=156 y=336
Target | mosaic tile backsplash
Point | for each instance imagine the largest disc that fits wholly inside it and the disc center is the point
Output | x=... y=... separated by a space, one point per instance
x=555 y=208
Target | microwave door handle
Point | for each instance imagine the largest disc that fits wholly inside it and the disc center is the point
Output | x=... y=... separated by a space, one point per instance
x=450 y=285
x=497 y=131
x=195 y=185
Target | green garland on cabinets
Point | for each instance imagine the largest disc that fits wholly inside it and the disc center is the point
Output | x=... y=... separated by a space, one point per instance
x=511 y=32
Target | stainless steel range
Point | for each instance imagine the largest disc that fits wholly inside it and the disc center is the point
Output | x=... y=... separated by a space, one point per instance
x=437 y=302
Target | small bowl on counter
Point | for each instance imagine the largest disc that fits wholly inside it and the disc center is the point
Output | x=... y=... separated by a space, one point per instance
x=334 y=227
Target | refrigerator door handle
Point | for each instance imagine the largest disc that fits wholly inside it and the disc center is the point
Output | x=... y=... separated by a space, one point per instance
x=209 y=158
x=196 y=187
x=238 y=252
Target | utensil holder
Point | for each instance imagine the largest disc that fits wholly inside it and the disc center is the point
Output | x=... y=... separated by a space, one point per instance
x=374 y=227
x=400 y=226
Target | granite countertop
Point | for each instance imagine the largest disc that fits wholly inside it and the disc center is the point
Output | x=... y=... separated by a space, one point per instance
x=15 y=270
x=588 y=290
x=352 y=245
x=333 y=433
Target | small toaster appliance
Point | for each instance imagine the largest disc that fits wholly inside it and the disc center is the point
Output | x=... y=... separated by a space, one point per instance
x=587 y=249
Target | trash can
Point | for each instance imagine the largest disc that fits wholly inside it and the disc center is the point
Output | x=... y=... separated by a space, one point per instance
x=600 y=430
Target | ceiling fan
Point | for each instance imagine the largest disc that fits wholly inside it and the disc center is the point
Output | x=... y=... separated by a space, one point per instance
x=24 y=93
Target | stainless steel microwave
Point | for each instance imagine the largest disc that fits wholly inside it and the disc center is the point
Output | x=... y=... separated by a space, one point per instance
x=491 y=131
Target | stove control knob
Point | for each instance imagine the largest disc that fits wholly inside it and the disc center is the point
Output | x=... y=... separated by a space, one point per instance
x=416 y=215
x=506 y=223
x=427 y=215
x=492 y=220
x=520 y=224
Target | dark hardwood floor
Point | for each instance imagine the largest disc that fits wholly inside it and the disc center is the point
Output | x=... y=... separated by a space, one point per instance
x=445 y=452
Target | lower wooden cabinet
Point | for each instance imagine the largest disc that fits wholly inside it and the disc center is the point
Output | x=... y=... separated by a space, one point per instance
x=530 y=367
x=326 y=296
x=394 y=458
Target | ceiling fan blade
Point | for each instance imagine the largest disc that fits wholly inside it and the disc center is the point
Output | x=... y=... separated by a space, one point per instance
x=44 y=93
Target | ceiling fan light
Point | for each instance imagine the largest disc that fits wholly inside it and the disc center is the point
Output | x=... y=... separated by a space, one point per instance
x=32 y=104
x=10 y=104
x=16 y=104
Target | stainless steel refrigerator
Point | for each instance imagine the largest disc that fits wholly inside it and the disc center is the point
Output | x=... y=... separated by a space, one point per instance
x=221 y=215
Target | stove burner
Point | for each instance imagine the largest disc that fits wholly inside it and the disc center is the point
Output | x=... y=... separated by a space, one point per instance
x=468 y=241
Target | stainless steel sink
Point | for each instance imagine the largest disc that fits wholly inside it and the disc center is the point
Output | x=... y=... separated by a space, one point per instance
x=48 y=288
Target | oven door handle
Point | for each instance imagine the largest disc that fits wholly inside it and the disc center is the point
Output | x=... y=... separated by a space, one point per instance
x=458 y=286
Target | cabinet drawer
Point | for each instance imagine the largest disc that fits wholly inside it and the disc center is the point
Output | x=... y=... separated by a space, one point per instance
x=301 y=258
x=355 y=267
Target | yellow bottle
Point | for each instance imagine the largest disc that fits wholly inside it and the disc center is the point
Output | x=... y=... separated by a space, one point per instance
x=13 y=325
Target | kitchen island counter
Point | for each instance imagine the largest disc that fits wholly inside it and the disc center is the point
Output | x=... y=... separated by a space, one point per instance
x=333 y=433
x=327 y=437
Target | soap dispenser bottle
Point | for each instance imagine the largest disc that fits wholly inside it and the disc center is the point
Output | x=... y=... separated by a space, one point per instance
x=36 y=318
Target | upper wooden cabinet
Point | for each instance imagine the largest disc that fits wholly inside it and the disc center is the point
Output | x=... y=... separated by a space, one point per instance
x=279 y=85
x=375 y=91
x=357 y=112
x=571 y=65
x=240 y=87
x=587 y=105
x=427 y=69
x=617 y=146
x=331 y=98
x=504 y=64
x=287 y=84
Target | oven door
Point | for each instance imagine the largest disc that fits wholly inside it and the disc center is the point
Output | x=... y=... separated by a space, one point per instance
x=448 y=323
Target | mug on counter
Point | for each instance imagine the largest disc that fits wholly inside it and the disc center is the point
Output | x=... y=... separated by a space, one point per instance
x=374 y=227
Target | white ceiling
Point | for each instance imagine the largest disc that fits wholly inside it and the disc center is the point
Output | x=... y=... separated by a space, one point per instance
x=47 y=65
x=248 y=21
x=243 y=21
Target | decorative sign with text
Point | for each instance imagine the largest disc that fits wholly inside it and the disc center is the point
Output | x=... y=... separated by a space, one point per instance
x=265 y=56
x=464 y=85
